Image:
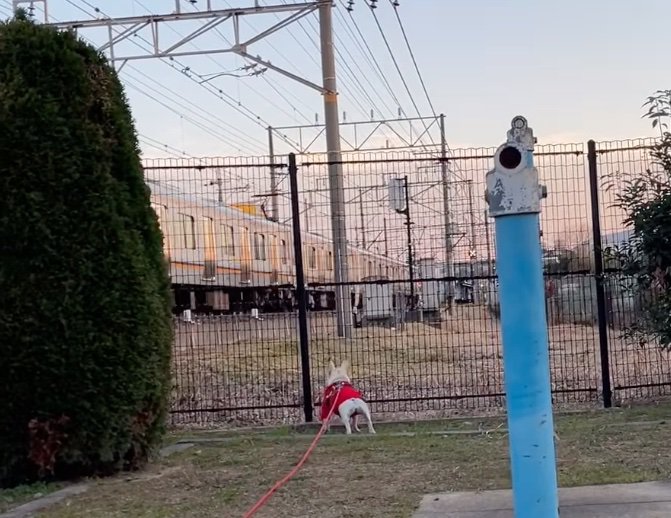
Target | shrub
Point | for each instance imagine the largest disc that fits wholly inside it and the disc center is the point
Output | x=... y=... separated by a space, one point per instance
x=645 y=258
x=85 y=330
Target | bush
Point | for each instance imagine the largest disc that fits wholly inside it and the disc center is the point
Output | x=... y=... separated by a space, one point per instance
x=85 y=329
x=646 y=257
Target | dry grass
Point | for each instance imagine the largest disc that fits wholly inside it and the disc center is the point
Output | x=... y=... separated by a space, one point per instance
x=231 y=362
x=371 y=476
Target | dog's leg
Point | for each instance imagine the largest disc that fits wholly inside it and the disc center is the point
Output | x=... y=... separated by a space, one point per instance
x=355 y=422
x=366 y=412
x=345 y=419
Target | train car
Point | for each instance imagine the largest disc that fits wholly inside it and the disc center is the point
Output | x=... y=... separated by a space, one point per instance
x=225 y=259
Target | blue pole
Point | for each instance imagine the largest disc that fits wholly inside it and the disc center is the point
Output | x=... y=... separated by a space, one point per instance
x=514 y=194
x=526 y=366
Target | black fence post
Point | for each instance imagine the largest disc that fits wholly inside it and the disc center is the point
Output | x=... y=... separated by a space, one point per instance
x=598 y=273
x=301 y=293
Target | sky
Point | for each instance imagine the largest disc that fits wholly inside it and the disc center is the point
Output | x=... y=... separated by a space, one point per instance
x=575 y=69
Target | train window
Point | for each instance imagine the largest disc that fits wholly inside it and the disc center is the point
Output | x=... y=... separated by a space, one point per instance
x=283 y=251
x=228 y=240
x=329 y=259
x=188 y=225
x=370 y=268
x=312 y=258
x=259 y=247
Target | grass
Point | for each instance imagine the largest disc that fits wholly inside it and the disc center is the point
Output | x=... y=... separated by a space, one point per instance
x=10 y=498
x=371 y=476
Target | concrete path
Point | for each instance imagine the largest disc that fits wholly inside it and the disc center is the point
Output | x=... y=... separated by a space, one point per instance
x=644 y=500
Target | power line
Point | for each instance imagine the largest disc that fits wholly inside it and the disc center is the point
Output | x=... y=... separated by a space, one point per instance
x=347 y=69
x=183 y=116
x=185 y=70
x=349 y=72
x=216 y=133
x=398 y=69
x=140 y=90
x=272 y=86
x=188 y=119
x=374 y=64
x=151 y=142
x=218 y=31
x=369 y=55
x=412 y=55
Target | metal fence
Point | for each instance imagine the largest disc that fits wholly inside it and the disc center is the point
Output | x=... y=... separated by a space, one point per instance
x=253 y=342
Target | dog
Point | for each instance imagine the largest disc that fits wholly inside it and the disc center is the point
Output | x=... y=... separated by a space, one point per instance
x=348 y=402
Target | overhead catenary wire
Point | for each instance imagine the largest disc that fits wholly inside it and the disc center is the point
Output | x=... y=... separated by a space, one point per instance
x=348 y=72
x=412 y=55
x=216 y=122
x=369 y=56
x=189 y=73
x=270 y=84
x=212 y=132
x=398 y=68
x=166 y=148
x=242 y=138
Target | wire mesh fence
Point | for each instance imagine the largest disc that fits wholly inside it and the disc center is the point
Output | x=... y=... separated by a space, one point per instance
x=416 y=313
x=639 y=371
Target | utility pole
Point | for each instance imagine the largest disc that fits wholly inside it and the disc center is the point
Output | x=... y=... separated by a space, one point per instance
x=489 y=244
x=361 y=216
x=274 y=202
x=449 y=259
x=308 y=206
x=408 y=223
x=220 y=190
x=336 y=182
x=471 y=215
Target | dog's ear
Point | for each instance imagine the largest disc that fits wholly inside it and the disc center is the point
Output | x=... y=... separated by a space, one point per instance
x=344 y=365
x=331 y=366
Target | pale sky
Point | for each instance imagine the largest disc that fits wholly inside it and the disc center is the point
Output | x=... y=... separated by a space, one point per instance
x=575 y=69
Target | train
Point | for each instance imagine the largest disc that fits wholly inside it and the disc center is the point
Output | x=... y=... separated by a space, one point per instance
x=232 y=259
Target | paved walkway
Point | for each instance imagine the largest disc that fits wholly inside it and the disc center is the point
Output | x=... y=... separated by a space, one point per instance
x=644 y=500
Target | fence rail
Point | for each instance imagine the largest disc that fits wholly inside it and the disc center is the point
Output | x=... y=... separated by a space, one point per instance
x=252 y=343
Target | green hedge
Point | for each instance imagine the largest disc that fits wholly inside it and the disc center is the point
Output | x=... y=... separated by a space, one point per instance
x=85 y=329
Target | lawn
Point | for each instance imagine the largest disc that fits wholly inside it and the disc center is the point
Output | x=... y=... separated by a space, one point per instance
x=371 y=476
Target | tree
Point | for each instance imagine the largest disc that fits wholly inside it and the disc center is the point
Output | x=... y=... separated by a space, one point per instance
x=646 y=257
x=85 y=324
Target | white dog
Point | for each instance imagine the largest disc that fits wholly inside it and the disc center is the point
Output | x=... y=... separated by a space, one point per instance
x=348 y=402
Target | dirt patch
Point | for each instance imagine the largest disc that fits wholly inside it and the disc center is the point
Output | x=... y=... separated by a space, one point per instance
x=414 y=371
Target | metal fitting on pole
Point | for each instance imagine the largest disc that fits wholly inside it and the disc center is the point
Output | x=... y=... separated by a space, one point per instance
x=512 y=186
x=514 y=194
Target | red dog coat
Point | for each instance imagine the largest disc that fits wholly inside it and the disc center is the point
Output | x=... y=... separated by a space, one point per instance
x=347 y=391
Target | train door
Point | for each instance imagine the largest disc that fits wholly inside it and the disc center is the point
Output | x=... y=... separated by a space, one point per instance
x=209 y=251
x=245 y=257
x=274 y=259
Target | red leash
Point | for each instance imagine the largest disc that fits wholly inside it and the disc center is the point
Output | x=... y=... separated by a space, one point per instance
x=262 y=501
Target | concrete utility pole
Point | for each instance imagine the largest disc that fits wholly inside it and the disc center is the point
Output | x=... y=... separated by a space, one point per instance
x=362 y=220
x=336 y=183
x=274 y=202
x=449 y=248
